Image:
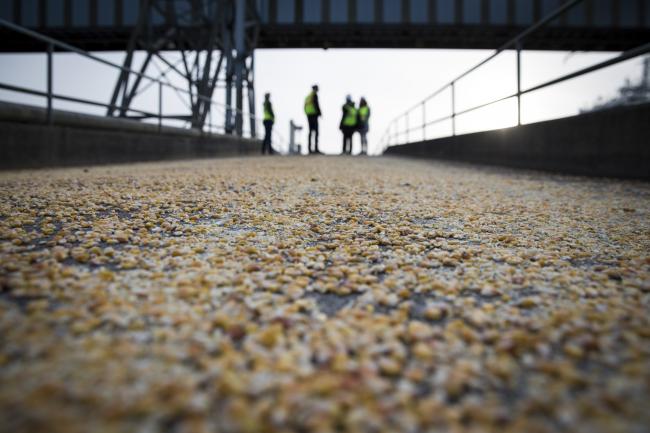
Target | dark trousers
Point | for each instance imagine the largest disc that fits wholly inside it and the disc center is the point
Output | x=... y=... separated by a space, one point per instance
x=348 y=132
x=363 y=131
x=266 y=144
x=312 y=119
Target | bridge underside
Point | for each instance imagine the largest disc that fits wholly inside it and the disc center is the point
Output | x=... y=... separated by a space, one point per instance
x=363 y=36
x=410 y=36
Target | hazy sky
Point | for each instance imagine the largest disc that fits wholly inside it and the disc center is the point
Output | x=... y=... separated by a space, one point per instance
x=391 y=81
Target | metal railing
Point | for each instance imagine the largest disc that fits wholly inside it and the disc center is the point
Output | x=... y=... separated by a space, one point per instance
x=394 y=135
x=162 y=82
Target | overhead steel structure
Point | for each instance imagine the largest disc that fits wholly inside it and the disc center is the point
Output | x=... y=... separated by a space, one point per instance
x=216 y=39
x=109 y=24
x=211 y=36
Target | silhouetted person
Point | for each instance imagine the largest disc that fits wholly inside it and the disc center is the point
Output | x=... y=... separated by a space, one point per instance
x=363 y=125
x=312 y=110
x=348 y=124
x=269 y=119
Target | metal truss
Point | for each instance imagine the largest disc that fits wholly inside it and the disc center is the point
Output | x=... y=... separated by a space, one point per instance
x=215 y=40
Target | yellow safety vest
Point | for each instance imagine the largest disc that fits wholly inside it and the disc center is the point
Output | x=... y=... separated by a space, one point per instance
x=310 y=107
x=350 y=118
x=268 y=112
x=364 y=113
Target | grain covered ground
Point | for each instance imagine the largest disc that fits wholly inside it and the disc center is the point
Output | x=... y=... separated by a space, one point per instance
x=322 y=295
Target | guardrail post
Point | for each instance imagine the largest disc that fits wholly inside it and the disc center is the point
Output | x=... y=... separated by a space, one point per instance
x=518 y=82
x=424 y=122
x=50 y=72
x=406 y=122
x=160 y=106
x=453 y=108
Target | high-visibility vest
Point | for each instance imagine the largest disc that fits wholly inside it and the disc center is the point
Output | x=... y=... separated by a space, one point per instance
x=310 y=107
x=350 y=118
x=364 y=113
x=268 y=112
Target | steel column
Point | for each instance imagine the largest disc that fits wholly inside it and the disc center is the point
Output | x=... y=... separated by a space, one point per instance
x=250 y=86
x=228 y=89
x=203 y=27
x=160 y=105
x=240 y=59
x=518 y=83
x=50 y=73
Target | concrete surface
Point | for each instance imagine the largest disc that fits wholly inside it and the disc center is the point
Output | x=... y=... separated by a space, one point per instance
x=614 y=143
x=316 y=294
x=26 y=141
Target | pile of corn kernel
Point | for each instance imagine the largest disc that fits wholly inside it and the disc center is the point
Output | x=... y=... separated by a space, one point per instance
x=322 y=295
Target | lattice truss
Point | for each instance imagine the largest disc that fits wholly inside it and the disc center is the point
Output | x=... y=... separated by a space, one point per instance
x=209 y=44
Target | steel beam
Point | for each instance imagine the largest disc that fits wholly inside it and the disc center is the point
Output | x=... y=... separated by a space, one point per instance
x=240 y=62
x=207 y=34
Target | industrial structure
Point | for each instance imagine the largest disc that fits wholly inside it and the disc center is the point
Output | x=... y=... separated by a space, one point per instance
x=216 y=39
x=630 y=93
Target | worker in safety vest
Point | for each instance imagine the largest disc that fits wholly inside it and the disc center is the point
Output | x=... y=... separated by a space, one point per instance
x=348 y=124
x=363 y=125
x=312 y=110
x=269 y=119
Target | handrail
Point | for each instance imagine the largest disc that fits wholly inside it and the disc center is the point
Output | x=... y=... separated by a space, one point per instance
x=635 y=52
x=20 y=89
x=87 y=54
x=541 y=23
x=516 y=41
x=50 y=95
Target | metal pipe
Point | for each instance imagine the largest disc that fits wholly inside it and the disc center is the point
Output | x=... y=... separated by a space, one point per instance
x=438 y=120
x=634 y=52
x=453 y=108
x=50 y=72
x=240 y=48
x=424 y=122
x=550 y=17
x=251 y=97
x=406 y=121
x=541 y=23
x=160 y=106
x=477 y=107
x=66 y=98
x=518 y=83
x=68 y=47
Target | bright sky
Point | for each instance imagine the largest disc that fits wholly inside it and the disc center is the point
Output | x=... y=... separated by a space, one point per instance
x=391 y=81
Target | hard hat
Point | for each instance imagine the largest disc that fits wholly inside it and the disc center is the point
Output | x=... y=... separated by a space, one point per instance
x=348 y=98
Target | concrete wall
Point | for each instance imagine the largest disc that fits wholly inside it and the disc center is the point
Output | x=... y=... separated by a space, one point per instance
x=75 y=139
x=612 y=143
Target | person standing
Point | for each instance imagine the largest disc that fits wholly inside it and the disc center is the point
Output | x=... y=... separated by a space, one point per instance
x=312 y=110
x=269 y=120
x=364 y=116
x=348 y=124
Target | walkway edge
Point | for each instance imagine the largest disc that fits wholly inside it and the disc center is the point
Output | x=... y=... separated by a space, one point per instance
x=607 y=143
x=76 y=139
